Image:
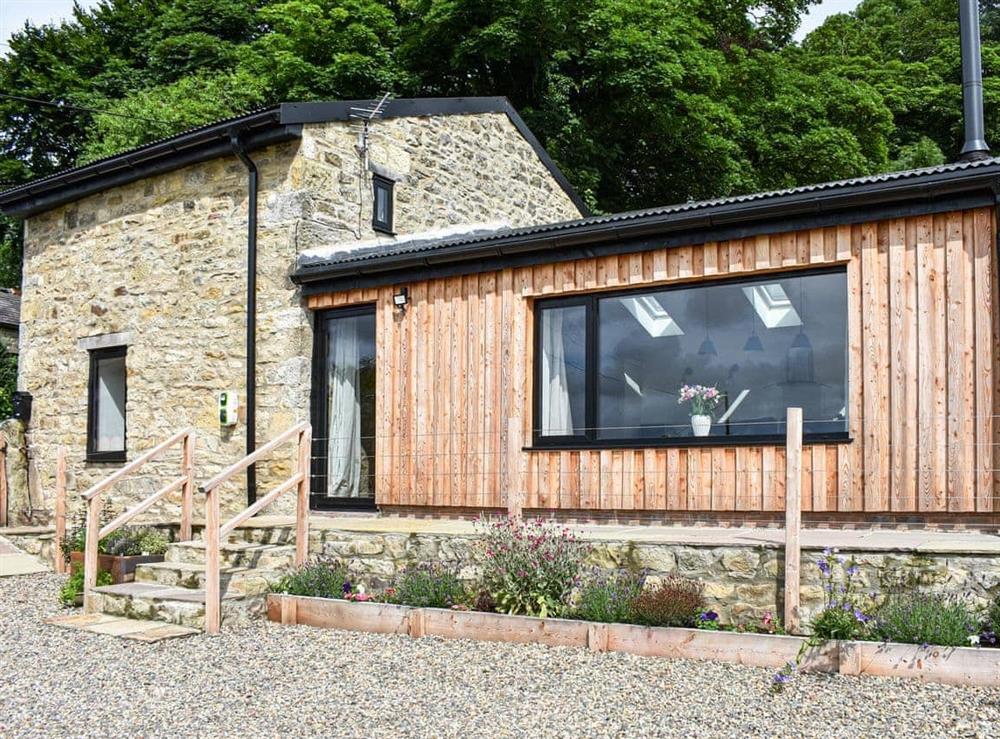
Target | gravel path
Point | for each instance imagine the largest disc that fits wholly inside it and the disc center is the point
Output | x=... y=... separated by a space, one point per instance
x=270 y=680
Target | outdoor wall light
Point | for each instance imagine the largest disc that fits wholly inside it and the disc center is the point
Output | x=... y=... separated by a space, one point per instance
x=401 y=298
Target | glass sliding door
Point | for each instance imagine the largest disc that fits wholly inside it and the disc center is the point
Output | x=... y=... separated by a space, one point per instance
x=343 y=405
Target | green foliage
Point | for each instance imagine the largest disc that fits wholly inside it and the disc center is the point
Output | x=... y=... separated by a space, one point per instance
x=529 y=567
x=608 y=598
x=8 y=381
x=132 y=541
x=676 y=601
x=320 y=578
x=924 y=618
x=993 y=615
x=427 y=586
x=642 y=102
x=73 y=587
x=837 y=623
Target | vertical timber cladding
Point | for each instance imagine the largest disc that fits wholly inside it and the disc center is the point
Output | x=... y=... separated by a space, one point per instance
x=458 y=363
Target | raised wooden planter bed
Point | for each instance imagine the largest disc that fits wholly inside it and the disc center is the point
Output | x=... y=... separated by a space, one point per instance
x=953 y=665
x=122 y=569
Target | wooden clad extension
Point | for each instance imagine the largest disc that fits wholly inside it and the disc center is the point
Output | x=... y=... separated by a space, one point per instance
x=457 y=365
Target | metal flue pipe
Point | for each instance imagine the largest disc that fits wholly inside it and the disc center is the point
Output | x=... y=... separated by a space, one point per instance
x=975 y=146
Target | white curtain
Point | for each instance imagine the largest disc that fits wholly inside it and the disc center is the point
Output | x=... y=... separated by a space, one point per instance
x=110 y=405
x=557 y=416
x=344 y=410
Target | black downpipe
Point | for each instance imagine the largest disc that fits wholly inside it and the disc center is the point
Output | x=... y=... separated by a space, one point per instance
x=975 y=146
x=251 y=377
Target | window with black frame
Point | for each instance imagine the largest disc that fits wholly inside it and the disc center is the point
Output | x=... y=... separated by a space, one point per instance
x=715 y=360
x=106 y=399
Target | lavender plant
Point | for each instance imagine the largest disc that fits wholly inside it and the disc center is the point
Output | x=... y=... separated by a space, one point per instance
x=608 y=596
x=320 y=578
x=529 y=567
x=925 y=618
x=427 y=586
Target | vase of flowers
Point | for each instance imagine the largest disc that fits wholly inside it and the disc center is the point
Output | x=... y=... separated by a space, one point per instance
x=703 y=400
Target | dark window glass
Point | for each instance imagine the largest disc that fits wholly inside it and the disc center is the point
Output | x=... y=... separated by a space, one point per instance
x=765 y=345
x=382 y=210
x=106 y=405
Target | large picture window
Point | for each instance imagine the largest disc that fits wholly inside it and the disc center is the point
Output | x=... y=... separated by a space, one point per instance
x=610 y=366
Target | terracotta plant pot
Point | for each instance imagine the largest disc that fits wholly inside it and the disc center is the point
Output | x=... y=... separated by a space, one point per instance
x=122 y=569
x=701 y=425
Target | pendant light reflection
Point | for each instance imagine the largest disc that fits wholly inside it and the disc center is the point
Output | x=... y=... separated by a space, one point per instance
x=753 y=343
x=707 y=347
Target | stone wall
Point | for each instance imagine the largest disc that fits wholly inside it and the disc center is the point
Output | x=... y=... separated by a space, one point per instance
x=163 y=260
x=741 y=582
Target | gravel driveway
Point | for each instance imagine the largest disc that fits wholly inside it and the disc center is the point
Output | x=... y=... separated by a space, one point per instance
x=271 y=680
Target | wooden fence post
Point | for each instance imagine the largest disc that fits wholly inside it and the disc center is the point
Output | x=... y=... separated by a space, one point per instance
x=213 y=602
x=90 y=551
x=187 y=494
x=58 y=558
x=515 y=495
x=793 y=517
x=302 y=504
x=3 y=483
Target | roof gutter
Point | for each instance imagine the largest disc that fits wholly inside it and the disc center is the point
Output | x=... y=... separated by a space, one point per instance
x=794 y=211
x=263 y=129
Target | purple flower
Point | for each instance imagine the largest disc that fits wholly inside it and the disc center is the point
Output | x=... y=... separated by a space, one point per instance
x=347 y=587
x=781 y=678
x=853 y=570
x=861 y=616
x=824 y=567
x=709 y=616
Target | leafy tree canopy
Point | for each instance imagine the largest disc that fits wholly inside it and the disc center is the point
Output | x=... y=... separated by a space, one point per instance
x=642 y=102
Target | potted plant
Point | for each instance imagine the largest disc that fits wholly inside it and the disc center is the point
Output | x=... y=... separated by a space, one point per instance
x=703 y=400
x=120 y=552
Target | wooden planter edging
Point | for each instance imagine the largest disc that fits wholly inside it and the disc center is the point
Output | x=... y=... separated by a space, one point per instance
x=951 y=665
x=122 y=569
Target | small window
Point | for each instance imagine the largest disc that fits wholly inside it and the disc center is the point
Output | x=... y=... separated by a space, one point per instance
x=382 y=209
x=106 y=405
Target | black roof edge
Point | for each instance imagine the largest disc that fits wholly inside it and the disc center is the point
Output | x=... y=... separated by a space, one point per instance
x=340 y=110
x=261 y=128
x=257 y=130
x=580 y=240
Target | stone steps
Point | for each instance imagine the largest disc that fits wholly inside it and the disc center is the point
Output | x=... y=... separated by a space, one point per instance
x=238 y=580
x=235 y=555
x=173 y=605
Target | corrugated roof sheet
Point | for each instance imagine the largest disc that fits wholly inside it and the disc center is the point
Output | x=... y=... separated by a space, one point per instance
x=554 y=228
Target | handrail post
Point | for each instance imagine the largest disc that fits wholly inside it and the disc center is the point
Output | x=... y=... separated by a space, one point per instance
x=187 y=496
x=90 y=551
x=302 y=504
x=3 y=483
x=793 y=517
x=213 y=604
x=58 y=558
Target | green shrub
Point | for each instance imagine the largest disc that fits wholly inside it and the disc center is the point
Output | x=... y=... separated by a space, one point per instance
x=608 y=597
x=529 y=567
x=74 y=585
x=427 y=586
x=132 y=541
x=845 y=613
x=838 y=622
x=321 y=578
x=925 y=618
x=676 y=601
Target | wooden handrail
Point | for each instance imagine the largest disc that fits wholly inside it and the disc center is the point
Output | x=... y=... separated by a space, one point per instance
x=136 y=464
x=235 y=469
x=144 y=505
x=95 y=532
x=261 y=503
x=214 y=532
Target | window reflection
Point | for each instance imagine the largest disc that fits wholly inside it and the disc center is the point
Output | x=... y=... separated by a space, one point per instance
x=766 y=345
